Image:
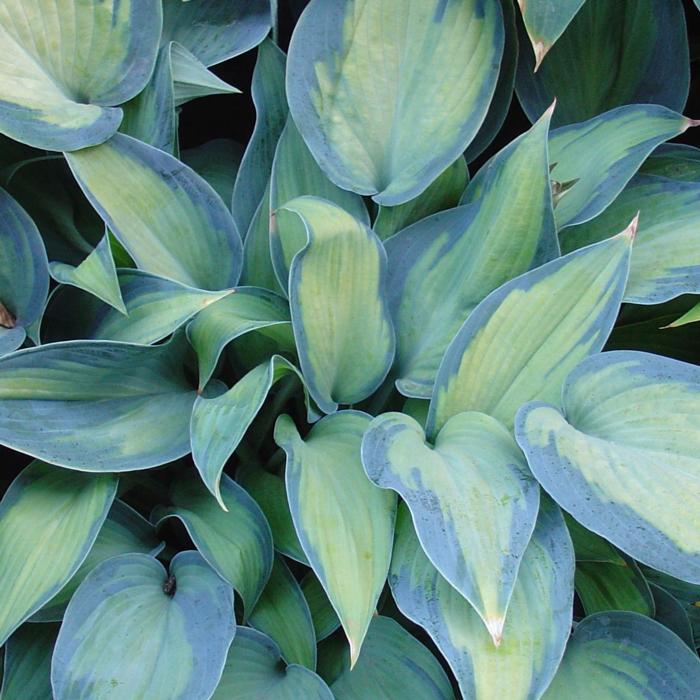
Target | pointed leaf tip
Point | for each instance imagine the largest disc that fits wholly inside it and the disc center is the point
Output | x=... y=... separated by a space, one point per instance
x=495 y=627
x=631 y=230
x=540 y=49
x=689 y=123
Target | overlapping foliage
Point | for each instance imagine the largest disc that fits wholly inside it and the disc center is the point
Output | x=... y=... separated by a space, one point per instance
x=351 y=410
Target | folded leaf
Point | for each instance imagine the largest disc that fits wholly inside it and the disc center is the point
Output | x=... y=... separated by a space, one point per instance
x=387 y=95
x=344 y=523
x=135 y=630
x=523 y=339
x=192 y=79
x=27 y=667
x=622 y=458
x=472 y=499
x=538 y=622
x=49 y=519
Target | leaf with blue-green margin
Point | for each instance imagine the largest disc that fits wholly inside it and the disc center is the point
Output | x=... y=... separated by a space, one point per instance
x=603 y=153
x=393 y=664
x=217 y=161
x=255 y=670
x=545 y=21
x=666 y=259
x=344 y=522
x=27 y=666
x=123 y=532
x=192 y=79
x=249 y=309
x=270 y=103
x=270 y=493
x=627 y=656
x=611 y=54
x=472 y=499
x=104 y=406
x=169 y=219
x=236 y=542
x=135 y=630
x=283 y=614
x=219 y=423
x=342 y=327
x=216 y=30
x=61 y=94
x=443 y=193
x=671 y=614
x=621 y=456
x=323 y=615
x=677 y=161
x=443 y=266
x=49 y=519
x=371 y=88
x=24 y=273
x=538 y=622
x=521 y=342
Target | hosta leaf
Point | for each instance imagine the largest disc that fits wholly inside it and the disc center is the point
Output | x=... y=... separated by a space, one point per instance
x=218 y=424
x=254 y=670
x=168 y=218
x=123 y=532
x=443 y=193
x=236 y=542
x=371 y=88
x=443 y=266
x=283 y=614
x=341 y=322
x=135 y=630
x=270 y=493
x=545 y=20
x=538 y=622
x=666 y=260
x=611 y=54
x=393 y=664
x=191 y=78
x=27 y=667
x=472 y=499
x=602 y=155
x=523 y=339
x=675 y=160
x=102 y=406
x=24 y=273
x=622 y=457
x=344 y=523
x=59 y=94
x=690 y=316
x=49 y=518
x=323 y=615
x=249 y=309
x=217 y=161
x=625 y=655
x=215 y=30
x=670 y=613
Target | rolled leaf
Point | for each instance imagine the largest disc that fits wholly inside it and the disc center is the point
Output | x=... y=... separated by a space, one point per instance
x=27 y=667
x=363 y=78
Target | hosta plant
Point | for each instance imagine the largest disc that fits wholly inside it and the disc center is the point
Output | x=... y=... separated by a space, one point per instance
x=398 y=398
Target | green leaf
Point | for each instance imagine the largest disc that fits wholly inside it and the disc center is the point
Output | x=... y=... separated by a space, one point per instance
x=691 y=316
x=602 y=155
x=393 y=664
x=217 y=161
x=254 y=670
x=192 y=79
x=27 y=668
x=538 y=622
x=24 y=273
x=666 y=260
x=133 y=630
x=123 y=532
x=341 y=322
x=49 y=519
x=372 y=91
x=236 y=541
x=523 y=339
x=249 y=309
x=671 y=614
x=611 y=54
x=169 y=219
x=621 y=655
x=472 y=499
x=345 y=524
x=677 y=161
x=443 y=266
x=622 y=456
x=283 y=614
x=104 y=406
x=323 y=615
x=61 y=94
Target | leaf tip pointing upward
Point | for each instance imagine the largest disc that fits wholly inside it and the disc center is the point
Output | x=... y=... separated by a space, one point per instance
x=631 y=231
x=495 y=627
x=540 y=49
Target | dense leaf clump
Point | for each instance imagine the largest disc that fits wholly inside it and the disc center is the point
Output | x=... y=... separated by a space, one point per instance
x=400 y=398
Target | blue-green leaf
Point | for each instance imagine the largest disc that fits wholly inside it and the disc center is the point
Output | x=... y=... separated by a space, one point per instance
x=322 y=612
x=671 y=613
x=27 y=667
x=217 y=161
x=192 y=79
x=677 y=161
